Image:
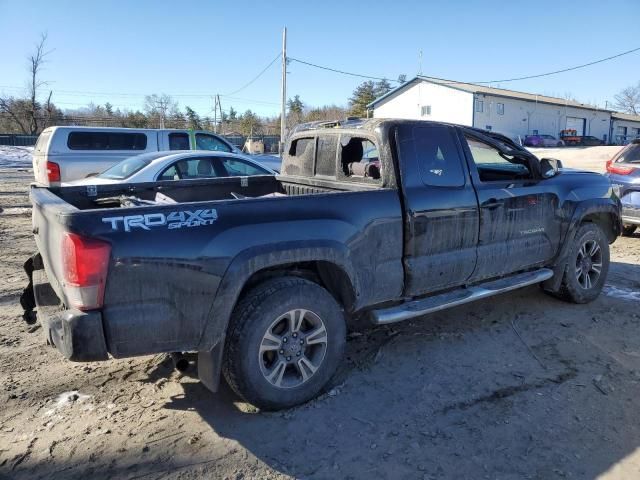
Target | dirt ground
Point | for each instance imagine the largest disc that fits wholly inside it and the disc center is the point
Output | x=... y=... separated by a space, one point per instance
x=521 y=386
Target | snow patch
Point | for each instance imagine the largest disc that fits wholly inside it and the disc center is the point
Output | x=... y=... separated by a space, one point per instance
x=15 y=157
x=65 y=399
x=622 y=293
x=15 y=211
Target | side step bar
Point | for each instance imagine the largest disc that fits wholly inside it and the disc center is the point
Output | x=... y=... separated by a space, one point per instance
x=417 y=308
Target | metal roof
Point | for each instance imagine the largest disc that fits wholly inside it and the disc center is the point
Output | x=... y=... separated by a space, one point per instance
x=626 y=116
x=482 y=89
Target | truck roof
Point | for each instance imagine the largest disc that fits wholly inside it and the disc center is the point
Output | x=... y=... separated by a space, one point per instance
x=370 y=124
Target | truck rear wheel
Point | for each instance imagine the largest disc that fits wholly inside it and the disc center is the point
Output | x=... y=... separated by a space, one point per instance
x=587 y=265
x=285 y=341
x=628 y=230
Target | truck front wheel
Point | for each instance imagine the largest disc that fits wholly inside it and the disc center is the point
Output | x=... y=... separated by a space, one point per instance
x=285 y=341
x=587 y=265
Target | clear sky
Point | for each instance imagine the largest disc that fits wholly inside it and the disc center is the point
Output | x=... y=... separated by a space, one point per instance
x=132 y=48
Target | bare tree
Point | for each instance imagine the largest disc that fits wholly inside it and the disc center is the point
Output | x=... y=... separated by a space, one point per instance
x=27 y=114
x=628 y=100
x=158 y=107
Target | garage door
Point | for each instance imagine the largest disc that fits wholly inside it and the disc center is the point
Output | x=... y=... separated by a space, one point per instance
x=577 y=124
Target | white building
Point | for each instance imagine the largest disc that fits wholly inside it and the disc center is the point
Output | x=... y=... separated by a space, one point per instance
x=624 y=127
x=511 y=113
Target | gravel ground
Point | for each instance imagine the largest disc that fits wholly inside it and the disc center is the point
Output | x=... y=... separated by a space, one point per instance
x=521 y=386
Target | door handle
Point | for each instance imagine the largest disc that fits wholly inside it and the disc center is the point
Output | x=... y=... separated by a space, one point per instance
x=491 y=203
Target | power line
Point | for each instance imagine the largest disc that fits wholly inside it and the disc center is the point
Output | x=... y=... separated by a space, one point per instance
x=339 y=71
x=254 y=78
x=563 y=70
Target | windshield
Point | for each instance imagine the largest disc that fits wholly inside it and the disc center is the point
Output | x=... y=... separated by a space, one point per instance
x=129 y=166
x=629 y=154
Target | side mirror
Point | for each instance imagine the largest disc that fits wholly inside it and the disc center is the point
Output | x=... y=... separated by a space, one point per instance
x=550 y=167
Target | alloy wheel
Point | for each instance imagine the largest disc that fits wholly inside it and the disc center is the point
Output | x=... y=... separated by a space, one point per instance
x=293 y=348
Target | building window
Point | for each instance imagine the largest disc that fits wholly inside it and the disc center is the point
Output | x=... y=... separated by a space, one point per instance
x=479 y=106
x=500 y=108
x=487 y=128
x=425 y=110
x=637 y=132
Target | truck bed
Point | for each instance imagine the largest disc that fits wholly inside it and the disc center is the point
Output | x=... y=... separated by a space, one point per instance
x=168 y=260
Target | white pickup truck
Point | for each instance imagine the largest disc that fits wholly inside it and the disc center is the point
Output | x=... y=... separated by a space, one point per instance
x=63 y=154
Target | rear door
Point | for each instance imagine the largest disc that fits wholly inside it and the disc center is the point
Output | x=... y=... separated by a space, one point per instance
x=441 y=209
x=519 y=223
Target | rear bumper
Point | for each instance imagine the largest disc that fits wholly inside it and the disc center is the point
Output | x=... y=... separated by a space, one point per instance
x=78 y=335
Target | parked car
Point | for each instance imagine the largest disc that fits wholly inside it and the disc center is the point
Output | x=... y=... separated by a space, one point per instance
x=590 y=141
x=63 y=154
x=182 y=165
x=624 y=172
x=261 y=275
x=542 y=141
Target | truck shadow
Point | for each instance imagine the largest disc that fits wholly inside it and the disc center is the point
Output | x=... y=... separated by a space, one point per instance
x=522 y=384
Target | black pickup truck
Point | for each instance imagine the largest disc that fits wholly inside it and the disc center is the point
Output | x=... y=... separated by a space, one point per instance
x=383 y=220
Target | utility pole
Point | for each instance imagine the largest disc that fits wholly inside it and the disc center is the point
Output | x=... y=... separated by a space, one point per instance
x=215 y=115
x=217 y=106
x=283 y=107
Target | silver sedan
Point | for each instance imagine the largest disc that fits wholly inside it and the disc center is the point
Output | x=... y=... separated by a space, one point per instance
x=181 y=165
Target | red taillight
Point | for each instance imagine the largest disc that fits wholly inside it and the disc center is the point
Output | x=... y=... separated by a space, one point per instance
x=85 y=262
x=618 y=169
x=53 y=172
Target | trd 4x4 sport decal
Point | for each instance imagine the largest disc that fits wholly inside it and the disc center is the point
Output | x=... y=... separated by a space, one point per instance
x=172 y=220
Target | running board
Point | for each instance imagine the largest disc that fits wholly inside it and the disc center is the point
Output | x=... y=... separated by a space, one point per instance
x=417 y=308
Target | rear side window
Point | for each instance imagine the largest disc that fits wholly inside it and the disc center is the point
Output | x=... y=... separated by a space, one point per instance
x=359 y=159
x=438 y=156
x=106 y=141
x=179 y=141
x=630 y=154
x=189 y=169
x=238 y=168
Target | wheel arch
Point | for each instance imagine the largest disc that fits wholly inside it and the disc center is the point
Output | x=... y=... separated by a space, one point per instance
x=602 y=212
x=325 y=263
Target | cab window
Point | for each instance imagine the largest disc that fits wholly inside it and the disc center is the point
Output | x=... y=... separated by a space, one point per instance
x=493 y=166
x=204 y=141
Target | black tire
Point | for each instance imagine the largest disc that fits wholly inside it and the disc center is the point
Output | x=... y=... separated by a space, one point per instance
x=573 y=289
x=253 y=319
x=628 y=230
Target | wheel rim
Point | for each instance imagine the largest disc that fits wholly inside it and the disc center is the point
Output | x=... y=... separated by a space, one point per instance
x=588 y=264
x=293 y=348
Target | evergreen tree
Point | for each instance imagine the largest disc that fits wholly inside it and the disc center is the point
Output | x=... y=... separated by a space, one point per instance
x=108 y=108
x=364 y=94
x=382 y=88
x=295 y=105
x=250 y=124
x=193 y=119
